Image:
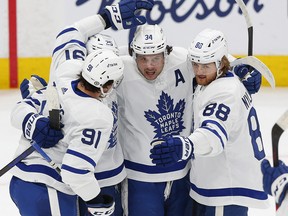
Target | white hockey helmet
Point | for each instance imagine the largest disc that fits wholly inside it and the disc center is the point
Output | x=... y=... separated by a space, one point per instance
x=148 y=39
x=101 y=66
x=101 y=41
x=208 y=46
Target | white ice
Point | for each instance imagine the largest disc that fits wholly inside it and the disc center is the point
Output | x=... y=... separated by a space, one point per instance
x=270 y=104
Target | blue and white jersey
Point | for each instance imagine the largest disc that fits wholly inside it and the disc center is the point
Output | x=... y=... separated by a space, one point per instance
x=67 y=60
x=34 y=168
x=88 y=155
x=226 y=120
x=154 y=109
x=88 y=125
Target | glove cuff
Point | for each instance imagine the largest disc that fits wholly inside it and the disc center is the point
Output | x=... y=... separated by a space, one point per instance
x=105 y=19
x=103 y=204
x=187 y=148
x=29 y=124
x=114 y=16
x=279 y=187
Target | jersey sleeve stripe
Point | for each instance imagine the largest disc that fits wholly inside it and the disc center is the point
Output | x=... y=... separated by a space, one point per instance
x=215 y=133
x=66 y=30
x=69 y=42
x=74 y=170
x=82 y=156
x=205 y=123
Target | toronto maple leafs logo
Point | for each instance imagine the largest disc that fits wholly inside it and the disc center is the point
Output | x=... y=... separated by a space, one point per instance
x=113 y=135
x=169 y=119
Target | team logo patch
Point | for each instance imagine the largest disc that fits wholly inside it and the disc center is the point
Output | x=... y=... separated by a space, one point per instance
x=64 y=90
x=168 y=120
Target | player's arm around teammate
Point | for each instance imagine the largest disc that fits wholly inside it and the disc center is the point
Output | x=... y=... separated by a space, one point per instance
x=219 y=145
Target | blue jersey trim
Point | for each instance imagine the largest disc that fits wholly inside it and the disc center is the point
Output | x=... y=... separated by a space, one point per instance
x=74 y=170
x=38 y=168
x=228 y=74
x=82 y=156
x=66 y=30
x=222 y=192
x=154 y=169
x=31 y=100
x=71 y=41
x=217 y=124
x=204 y=126
x=76 y=90
x=109 y=173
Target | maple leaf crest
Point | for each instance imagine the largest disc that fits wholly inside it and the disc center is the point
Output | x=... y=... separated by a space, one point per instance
x=168 y=120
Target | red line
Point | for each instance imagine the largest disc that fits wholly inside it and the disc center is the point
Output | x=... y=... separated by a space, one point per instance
x=13 y=61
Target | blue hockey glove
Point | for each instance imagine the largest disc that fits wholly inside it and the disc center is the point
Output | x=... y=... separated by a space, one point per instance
x=251 y=82
x=28 y=87
x=275 y=180
x=37 y=128
x=168 y=151
x=123 y=14
x=103 y=204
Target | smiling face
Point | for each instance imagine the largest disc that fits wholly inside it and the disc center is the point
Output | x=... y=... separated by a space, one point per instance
x=204 y=73
x=150 y=66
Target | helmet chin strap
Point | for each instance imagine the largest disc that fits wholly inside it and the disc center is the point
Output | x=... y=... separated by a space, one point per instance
x=219 y=71
x=103 y=94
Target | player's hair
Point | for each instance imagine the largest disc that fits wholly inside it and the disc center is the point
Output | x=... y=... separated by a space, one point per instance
x=90 y=87
x=87 y=85
x=225 y=66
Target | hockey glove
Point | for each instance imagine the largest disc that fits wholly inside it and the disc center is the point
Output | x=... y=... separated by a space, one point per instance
x=251 y=81
x=168 y=151
x=37 y=128
x=28 y=87
x=103 y=204
x=123 y=14
x=275 y=180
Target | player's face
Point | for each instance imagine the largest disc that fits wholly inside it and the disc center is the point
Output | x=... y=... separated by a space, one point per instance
x=204 y=73
x=150 y=66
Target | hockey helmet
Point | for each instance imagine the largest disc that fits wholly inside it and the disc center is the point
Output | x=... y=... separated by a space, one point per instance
x=208 y=46
x=101 y=66
x=101 y=41
x=148 y=39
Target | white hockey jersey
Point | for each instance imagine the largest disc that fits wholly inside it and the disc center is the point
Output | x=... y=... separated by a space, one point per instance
x=88 y=124
x=90 y=132
x=69 y=51
x=153 y=109
x=35 y=168
x=230 y=174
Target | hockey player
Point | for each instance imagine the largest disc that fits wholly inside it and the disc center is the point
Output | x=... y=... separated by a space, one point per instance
x=171 y=71
x=275 y=183
x=88 y=132
x=79 y=151
x=225 y=148
x=155 y=98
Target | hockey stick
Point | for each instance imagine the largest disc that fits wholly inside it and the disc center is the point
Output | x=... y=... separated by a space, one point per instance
x=249 y=25
x=277 y=130
x=251 y=60
x=258 y=65
x=54 y=114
